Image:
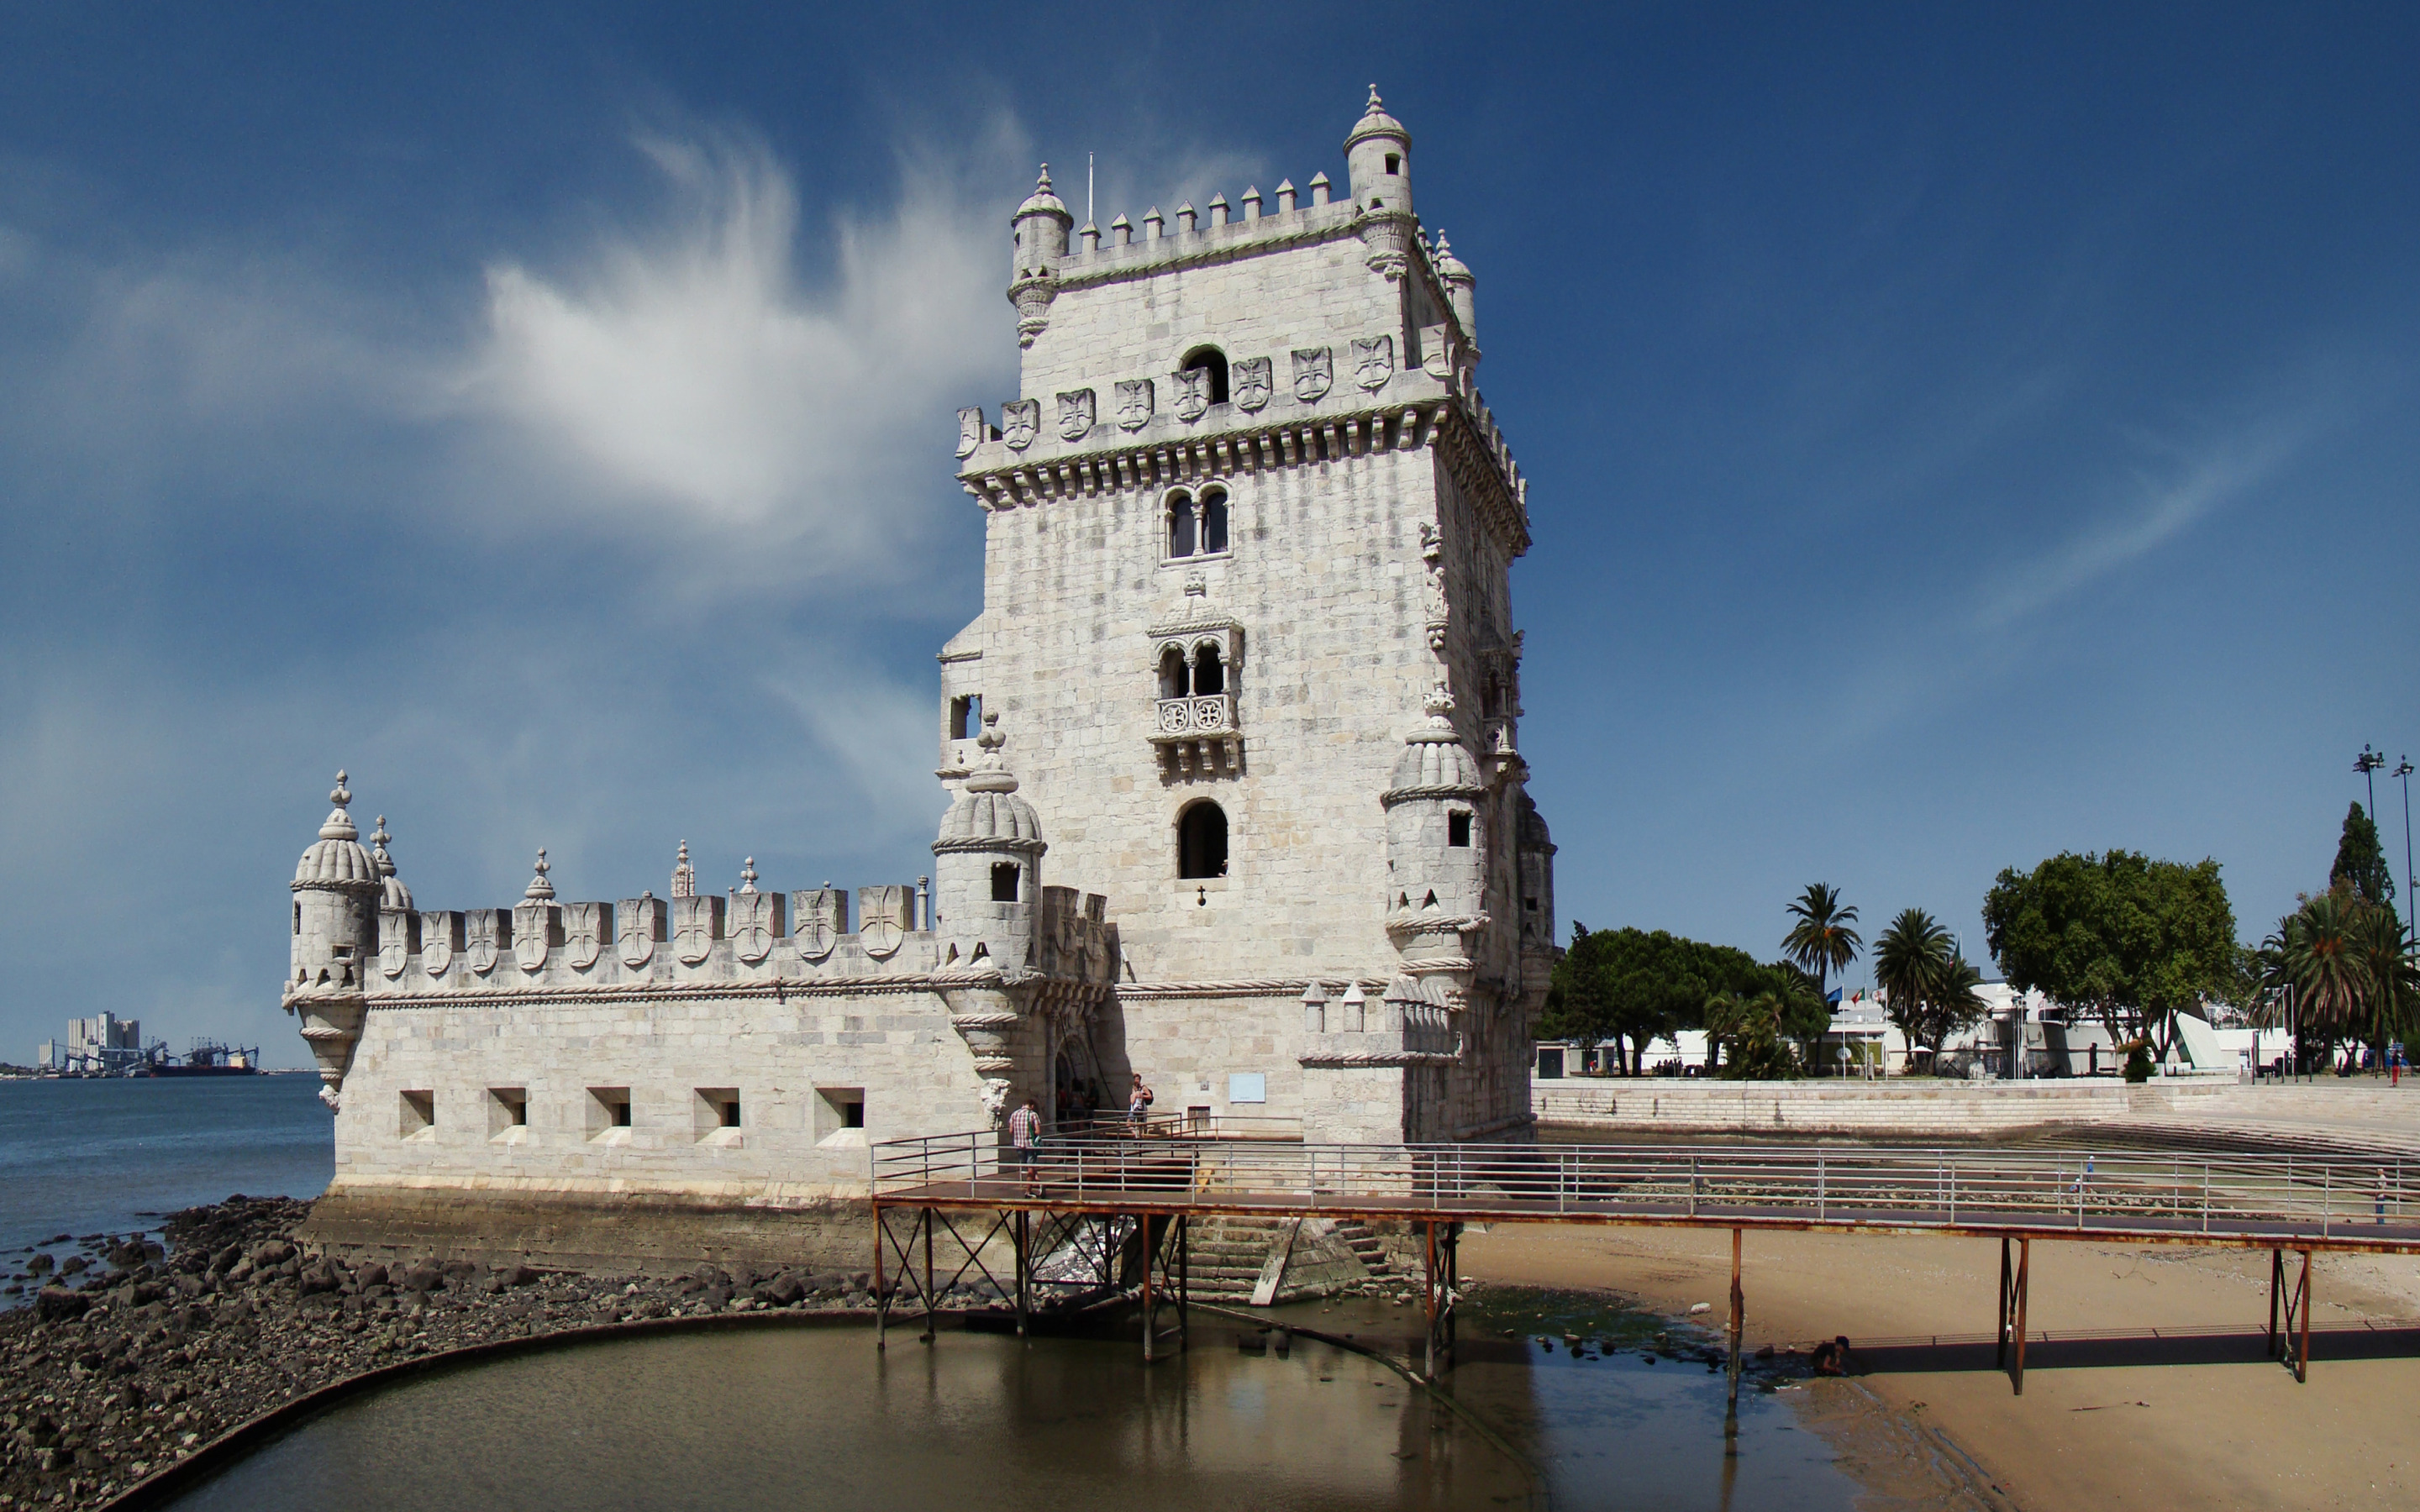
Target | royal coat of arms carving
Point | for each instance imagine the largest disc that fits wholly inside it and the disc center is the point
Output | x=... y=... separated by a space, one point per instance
x=486 y=933
x=394 y=941
x=1020 y=420
x=640 y=924
x=440 y=933
x=1373 y=361
x=970 y=431
x=1134 y=404
x=1192 y=395
x=694 y=927
x=1077 y=412
x=1315 y=371
x=1248 y=382
x=533 y=926
x=585 y=929
x=821 y=919
x=755 y=924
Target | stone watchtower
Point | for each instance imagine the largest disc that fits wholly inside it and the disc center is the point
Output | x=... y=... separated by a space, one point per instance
x=1248 y=531
x=336 y=891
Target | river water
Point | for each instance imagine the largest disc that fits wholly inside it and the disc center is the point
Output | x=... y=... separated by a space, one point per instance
x=789 y=1417
x=116 y=1155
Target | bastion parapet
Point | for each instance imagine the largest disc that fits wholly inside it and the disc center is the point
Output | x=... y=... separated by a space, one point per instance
x=1235 y=799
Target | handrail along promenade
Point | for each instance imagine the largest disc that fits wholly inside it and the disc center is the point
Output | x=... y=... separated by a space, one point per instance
x=1159 y=1177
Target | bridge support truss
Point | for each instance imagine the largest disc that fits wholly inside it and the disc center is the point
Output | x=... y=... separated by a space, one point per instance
x=2297 y=1306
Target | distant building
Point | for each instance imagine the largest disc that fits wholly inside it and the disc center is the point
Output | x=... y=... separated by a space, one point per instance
x=104 y=1043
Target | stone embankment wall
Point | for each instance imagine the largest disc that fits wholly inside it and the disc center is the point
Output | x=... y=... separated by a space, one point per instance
x=655 y=1234
x=2363 y=1113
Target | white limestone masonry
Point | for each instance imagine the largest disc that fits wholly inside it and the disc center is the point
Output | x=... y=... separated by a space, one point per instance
x=1237 y=802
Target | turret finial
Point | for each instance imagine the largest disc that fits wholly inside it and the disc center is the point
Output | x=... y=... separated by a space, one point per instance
x=1439 y=704
x=540 y=889
x=1044 y=182
x=991 y=773
x=1374 y=103
x=339 y=824
x=378 y=838
x=748 y=875
x=684 y=875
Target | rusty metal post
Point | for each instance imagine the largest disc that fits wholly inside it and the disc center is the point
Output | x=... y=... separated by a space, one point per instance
x=1738 y=1323
x=2025 y=1272
x=930 y=1307
x=2302 y=1358
x=2277 y=1294
x=1023 y=1239
x=2000 y=1329
x=1429 y=1290
x=1150 y=1323
x=881 y=1293
x=1184 y=1282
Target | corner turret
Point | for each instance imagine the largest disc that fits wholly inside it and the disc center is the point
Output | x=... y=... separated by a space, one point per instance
x=1459 y=285
x=1378 y=160
x=335 y=888
x=1040 y=245
x=987 y=868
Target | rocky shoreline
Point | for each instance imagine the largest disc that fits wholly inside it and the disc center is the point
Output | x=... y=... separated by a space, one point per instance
x=132 y=1355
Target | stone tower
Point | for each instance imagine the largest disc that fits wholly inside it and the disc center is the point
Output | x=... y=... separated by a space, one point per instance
x=1249 y=529
x=337 y=890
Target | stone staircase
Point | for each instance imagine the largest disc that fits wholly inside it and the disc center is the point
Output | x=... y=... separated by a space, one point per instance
x=1228 y=1256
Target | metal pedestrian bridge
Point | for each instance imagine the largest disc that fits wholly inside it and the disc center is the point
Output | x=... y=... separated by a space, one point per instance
x=1136 y=1194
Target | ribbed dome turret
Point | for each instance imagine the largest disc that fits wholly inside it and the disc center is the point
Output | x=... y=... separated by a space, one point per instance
x=1043 y=202
x=392 y=892
x=1374 y=121
x=988 y=815
x=1433 y=763
x=338 y=858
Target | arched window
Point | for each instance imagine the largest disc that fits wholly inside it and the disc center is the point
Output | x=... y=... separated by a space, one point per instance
x=1214 y=521
x=1180 y=525
x=1209 y=673
x=1211 y=361
x=1171 y=673
x=1201 y=841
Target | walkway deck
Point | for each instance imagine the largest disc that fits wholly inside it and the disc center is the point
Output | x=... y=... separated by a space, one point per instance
x=1143 y=1193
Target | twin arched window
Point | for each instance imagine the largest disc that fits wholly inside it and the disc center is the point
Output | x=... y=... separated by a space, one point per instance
x=1205 y=674
x=1197 y=527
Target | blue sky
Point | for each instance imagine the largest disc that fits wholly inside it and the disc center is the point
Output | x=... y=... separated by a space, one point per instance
x=1957 y=434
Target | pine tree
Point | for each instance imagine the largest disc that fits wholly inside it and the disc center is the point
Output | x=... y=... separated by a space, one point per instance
x=2360 y=862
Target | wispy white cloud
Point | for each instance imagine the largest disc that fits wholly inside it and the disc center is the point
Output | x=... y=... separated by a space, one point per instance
x=696 y=383
x=2198 y=485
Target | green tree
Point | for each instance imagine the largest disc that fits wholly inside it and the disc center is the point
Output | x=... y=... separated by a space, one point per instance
x=2119 y=936
x=2326 y=967
x=1825 y=940
x=1752 y=1026
x=2390 y=990
x=1928 y=988
x=2360 y=862
x=1632 y=987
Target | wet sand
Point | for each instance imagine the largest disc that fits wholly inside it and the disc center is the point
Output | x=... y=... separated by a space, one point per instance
x=2168 y=1403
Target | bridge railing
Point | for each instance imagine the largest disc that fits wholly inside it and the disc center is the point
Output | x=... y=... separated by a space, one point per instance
x=2215 y=1192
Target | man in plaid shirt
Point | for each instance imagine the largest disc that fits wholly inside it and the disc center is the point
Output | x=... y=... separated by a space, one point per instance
x=1024 y=1127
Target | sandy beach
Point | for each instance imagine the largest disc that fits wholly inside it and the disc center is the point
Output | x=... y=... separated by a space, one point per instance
x=2168 y=1403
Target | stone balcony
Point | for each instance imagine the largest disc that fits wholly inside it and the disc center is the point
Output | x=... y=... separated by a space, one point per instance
x=1197 y=735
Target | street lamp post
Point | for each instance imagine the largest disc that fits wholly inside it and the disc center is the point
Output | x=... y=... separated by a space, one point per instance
x=2403 y=771
x=2368 y=764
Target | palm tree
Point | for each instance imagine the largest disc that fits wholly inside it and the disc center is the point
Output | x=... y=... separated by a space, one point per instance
x=1822 y=941
x=2393 y=978
x=1911 y=966
x=2325 y=966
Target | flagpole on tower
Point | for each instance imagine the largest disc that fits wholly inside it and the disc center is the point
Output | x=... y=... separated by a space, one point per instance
x=1088 y=189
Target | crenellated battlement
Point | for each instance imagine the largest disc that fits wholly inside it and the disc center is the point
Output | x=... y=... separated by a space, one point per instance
x=1245 y=514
